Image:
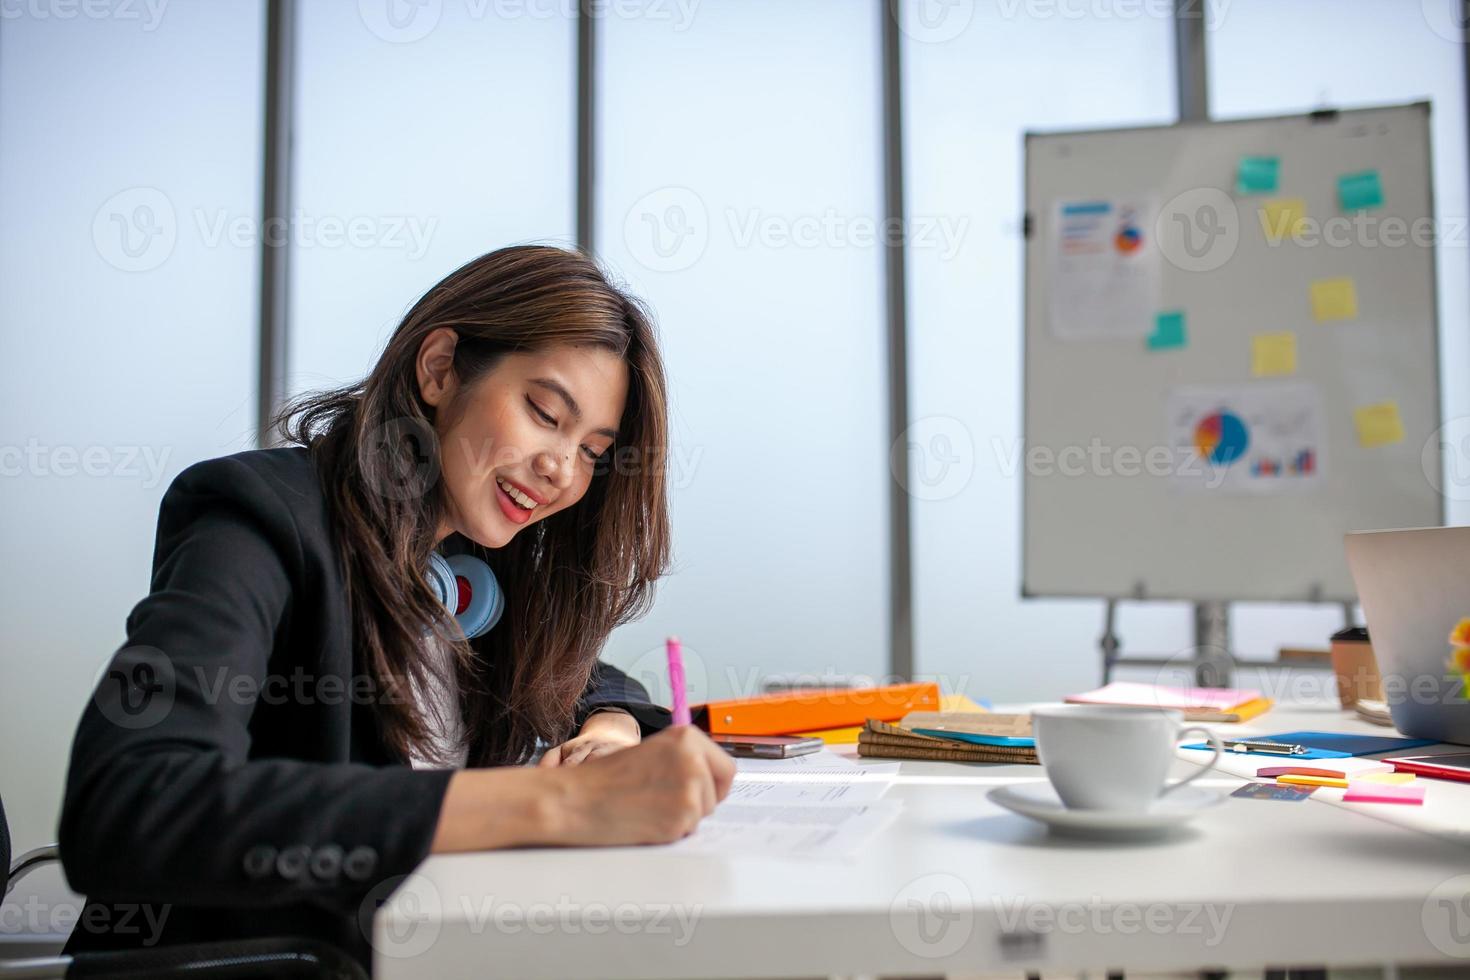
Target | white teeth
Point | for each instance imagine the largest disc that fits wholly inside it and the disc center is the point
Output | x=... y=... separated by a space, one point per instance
x=523 y=501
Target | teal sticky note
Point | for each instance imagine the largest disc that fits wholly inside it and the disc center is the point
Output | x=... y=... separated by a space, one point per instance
x=1169 y=333
x=1360 y=191
x=1257 y=175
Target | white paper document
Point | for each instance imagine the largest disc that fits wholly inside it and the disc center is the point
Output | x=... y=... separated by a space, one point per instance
x=823 y=764
x=1105 y=281
x=802 y=830
x=787 y=791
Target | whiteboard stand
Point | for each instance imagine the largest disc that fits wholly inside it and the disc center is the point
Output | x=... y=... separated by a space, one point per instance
x=1212 y=662
x=1214 y=665
x=1109 y=642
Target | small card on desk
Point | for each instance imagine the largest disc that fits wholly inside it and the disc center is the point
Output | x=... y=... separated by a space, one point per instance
x=1274 y=791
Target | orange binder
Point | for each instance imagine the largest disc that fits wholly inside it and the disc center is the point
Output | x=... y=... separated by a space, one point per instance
x=803 y=711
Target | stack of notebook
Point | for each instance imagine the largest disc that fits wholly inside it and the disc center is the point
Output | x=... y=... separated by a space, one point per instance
x=950 y=737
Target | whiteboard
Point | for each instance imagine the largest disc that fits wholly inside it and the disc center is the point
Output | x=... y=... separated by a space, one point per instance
x=1115 y=410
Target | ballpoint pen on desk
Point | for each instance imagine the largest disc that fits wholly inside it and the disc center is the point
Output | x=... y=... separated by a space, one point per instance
x=676 y=680
x=1268 y=748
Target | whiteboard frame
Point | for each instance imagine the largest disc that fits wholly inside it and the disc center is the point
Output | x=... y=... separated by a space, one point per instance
x=1032 y=225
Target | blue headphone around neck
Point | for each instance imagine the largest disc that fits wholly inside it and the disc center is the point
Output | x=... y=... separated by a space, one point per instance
x=469 y=590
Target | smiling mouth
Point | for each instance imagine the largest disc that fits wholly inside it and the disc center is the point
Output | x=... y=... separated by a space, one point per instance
x=517 y=497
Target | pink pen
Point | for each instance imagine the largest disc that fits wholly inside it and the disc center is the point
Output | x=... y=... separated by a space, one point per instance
x=676 y=680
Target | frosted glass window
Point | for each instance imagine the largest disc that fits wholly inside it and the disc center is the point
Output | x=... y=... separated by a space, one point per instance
x=739 y=160
x=976 y=78
x=426 y=134
x=128 y=133
x=1363 y=52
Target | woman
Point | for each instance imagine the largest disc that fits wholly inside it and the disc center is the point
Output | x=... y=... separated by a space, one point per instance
x=282 y=736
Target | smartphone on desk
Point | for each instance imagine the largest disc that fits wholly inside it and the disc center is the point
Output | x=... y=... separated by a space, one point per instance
x=767 y=746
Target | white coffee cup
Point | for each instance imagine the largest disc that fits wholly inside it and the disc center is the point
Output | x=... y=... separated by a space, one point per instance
x=1102 y=757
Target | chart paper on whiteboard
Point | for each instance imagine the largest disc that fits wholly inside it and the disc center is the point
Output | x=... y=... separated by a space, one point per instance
x=1251 y=438
x=1105 y=269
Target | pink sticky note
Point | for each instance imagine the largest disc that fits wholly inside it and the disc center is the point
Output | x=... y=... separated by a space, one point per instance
x=1360 y=792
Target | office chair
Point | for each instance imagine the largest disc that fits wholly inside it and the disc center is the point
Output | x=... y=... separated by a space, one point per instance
x=244 y=959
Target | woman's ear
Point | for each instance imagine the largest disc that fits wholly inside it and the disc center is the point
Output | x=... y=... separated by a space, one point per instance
x=435 y=366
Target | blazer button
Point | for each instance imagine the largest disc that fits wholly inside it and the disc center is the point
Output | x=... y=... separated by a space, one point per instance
x=326 y=862
x=291 y=864
x=259 y=861
x=360 y=863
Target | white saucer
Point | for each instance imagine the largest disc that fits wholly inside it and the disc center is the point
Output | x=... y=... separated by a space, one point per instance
x=1039 y=802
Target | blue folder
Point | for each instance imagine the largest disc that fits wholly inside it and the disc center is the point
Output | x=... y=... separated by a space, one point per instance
x=1329 y=745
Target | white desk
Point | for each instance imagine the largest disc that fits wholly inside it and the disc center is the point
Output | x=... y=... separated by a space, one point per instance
x=959 y=885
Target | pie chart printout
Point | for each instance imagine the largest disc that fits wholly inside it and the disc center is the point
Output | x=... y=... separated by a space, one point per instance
x=1221 y=438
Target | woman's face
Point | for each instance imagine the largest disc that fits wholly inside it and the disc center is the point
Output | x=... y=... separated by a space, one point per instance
x=521 y=442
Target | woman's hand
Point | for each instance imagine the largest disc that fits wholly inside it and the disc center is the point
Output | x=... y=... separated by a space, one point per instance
x=653 y=793
x=602 y=734
x=650 y=793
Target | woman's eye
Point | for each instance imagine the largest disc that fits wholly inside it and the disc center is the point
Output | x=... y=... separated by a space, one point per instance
x=543 y=416
x=591 y=454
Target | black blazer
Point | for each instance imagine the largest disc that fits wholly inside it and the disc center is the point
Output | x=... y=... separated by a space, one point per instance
x=228 y=779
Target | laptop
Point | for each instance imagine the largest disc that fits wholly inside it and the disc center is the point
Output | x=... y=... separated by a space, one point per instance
x=1414 y=587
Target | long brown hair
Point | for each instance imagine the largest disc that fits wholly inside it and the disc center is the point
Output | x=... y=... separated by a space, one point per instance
x=568 y=580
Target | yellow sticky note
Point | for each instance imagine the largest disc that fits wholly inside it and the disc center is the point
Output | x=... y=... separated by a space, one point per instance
x=1313 y=781
x=1273 y=354
x=1379 y=425
x=1334 y=299
x=1391 y=778
x=1283 y=218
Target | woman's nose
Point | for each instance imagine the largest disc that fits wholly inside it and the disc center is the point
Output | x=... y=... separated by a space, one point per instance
x=555 y=468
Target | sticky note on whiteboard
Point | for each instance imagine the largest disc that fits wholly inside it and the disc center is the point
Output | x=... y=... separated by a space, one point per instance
x=1257 y=175
x=1334 y=299
x=1360 y=191
x=1283 y=218
x=1273 y=354
x=1378 y=425
x=1169 y=332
